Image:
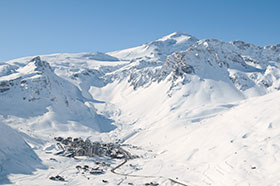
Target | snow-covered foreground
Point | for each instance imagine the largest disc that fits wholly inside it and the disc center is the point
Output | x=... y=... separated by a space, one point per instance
x=228 y=144
x=16 y=156
x=237 y=146
x=194 y=112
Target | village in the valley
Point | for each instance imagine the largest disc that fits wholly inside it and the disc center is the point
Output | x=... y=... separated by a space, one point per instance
x=77 y=148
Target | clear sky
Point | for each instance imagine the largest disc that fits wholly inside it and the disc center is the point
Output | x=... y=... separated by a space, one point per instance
x=34 y=27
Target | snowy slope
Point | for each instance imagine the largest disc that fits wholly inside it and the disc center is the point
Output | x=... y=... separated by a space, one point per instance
x=218 y=60
x=238 y=145
x=202 y=112
x=34 y=91
x=16 y=156
x=158 y=49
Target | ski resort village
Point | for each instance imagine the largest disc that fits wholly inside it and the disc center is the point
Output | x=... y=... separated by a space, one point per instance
x=139 y=93
x=174 y=111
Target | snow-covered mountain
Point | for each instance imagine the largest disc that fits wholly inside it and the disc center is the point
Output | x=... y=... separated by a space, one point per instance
x=33 y=89
x=202 y=111
x=159 y=49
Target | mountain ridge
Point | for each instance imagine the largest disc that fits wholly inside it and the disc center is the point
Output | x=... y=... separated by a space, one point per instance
x=196 y=109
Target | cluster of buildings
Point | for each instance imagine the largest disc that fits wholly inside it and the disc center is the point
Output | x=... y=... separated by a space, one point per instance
x=71 y=147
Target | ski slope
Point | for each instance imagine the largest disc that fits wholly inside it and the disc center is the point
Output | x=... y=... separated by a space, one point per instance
x=194 y=112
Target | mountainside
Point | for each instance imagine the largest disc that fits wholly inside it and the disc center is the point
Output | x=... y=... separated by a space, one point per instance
x=159 y=49
x=33 y=89
x=202 y=112
x=13 y=150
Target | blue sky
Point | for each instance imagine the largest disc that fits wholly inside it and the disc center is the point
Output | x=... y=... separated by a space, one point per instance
x=35 y=27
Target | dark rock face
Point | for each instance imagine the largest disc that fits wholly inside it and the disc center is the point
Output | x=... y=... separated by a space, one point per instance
x=6 y=85
x=57 y=178
x=40 y=65
x=241 y=44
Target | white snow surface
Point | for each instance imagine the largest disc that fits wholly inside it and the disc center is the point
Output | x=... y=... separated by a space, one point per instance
x=158 y=49
x=16 y=156
x=201 y=112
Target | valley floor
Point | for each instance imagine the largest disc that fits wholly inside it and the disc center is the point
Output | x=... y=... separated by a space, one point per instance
x=194 y=112
x=233 y=144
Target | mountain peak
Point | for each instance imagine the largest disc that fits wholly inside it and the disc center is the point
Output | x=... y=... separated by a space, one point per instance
x=158 y=49
x=176 y=36
x=40 y=65
x=35 y=59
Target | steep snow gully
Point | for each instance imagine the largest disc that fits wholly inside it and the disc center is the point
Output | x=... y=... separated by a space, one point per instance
x=190 y=111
